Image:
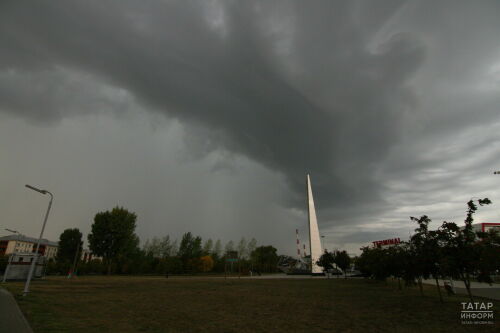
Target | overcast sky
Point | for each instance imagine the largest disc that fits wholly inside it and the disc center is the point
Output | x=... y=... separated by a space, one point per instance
x=206 y=116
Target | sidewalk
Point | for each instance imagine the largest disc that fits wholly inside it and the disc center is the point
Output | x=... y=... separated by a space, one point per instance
x=11 y=317
x=477 y=288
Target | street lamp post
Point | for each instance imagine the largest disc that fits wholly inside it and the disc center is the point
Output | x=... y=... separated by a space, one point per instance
x=33 y=263
x=73 y=267
x=12 y=255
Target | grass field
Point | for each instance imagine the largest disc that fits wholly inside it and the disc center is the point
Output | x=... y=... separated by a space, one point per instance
x=157 y=304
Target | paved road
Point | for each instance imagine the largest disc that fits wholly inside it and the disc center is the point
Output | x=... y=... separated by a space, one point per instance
x=477 y=288
x=281 y=276
x=11 y=317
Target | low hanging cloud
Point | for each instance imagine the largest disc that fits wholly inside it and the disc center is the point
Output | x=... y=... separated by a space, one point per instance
x=343 y=90
x=296 y=108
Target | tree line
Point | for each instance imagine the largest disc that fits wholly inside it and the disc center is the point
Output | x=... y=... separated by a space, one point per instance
x=116 y=250
x=450 y=252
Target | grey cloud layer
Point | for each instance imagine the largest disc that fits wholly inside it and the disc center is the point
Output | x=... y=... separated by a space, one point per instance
x=168 y=56
x=326 y=87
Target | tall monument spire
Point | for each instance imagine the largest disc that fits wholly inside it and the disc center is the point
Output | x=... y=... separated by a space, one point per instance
x=314 y=239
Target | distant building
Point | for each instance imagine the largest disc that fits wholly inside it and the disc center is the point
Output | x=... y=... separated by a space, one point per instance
x=87 y=255
x=484 y=227
x=19 y=266
x=23 y=244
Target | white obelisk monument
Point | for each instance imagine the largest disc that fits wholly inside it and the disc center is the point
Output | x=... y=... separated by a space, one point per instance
x=314 y=240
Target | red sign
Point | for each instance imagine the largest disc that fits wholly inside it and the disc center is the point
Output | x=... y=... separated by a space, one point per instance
x=392 y=241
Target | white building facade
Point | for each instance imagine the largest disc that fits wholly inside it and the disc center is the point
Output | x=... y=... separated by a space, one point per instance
x=23 y=244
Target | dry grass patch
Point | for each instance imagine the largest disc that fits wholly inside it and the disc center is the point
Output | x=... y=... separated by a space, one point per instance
x=157 y=304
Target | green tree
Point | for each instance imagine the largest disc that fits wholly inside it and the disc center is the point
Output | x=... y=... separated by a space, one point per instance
x=152 y=247
x=373 y=263
x=70 y=241
x=174 y=265
x=160 y=247
x=242 y=248
x=216 y=254
x=229 y=247
x=462 y=249
x=396 y=262
x=207 y=247
x=113 y=236
x=217 y=250
x=326 y=261
x=488 y=250
x=343 y=261
x=428 y=251
x=251 y=246
x=174 y=249
x=190 y=252
x=167 y=247
x=409 y=265
x=265 y=258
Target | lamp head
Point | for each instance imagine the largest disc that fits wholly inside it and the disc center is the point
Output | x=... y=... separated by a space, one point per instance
x=36 y=189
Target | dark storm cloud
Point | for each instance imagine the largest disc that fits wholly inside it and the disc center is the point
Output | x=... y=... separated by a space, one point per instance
x=336 y=112
x=301 y=87
x=48 y=95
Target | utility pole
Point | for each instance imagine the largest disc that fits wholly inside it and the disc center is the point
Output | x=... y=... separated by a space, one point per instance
x=35 y=257
x=75 y=260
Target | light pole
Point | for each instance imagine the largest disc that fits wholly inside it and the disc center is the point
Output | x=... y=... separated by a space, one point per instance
x=73 y=267
x=12 y=255
x=33 y=263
